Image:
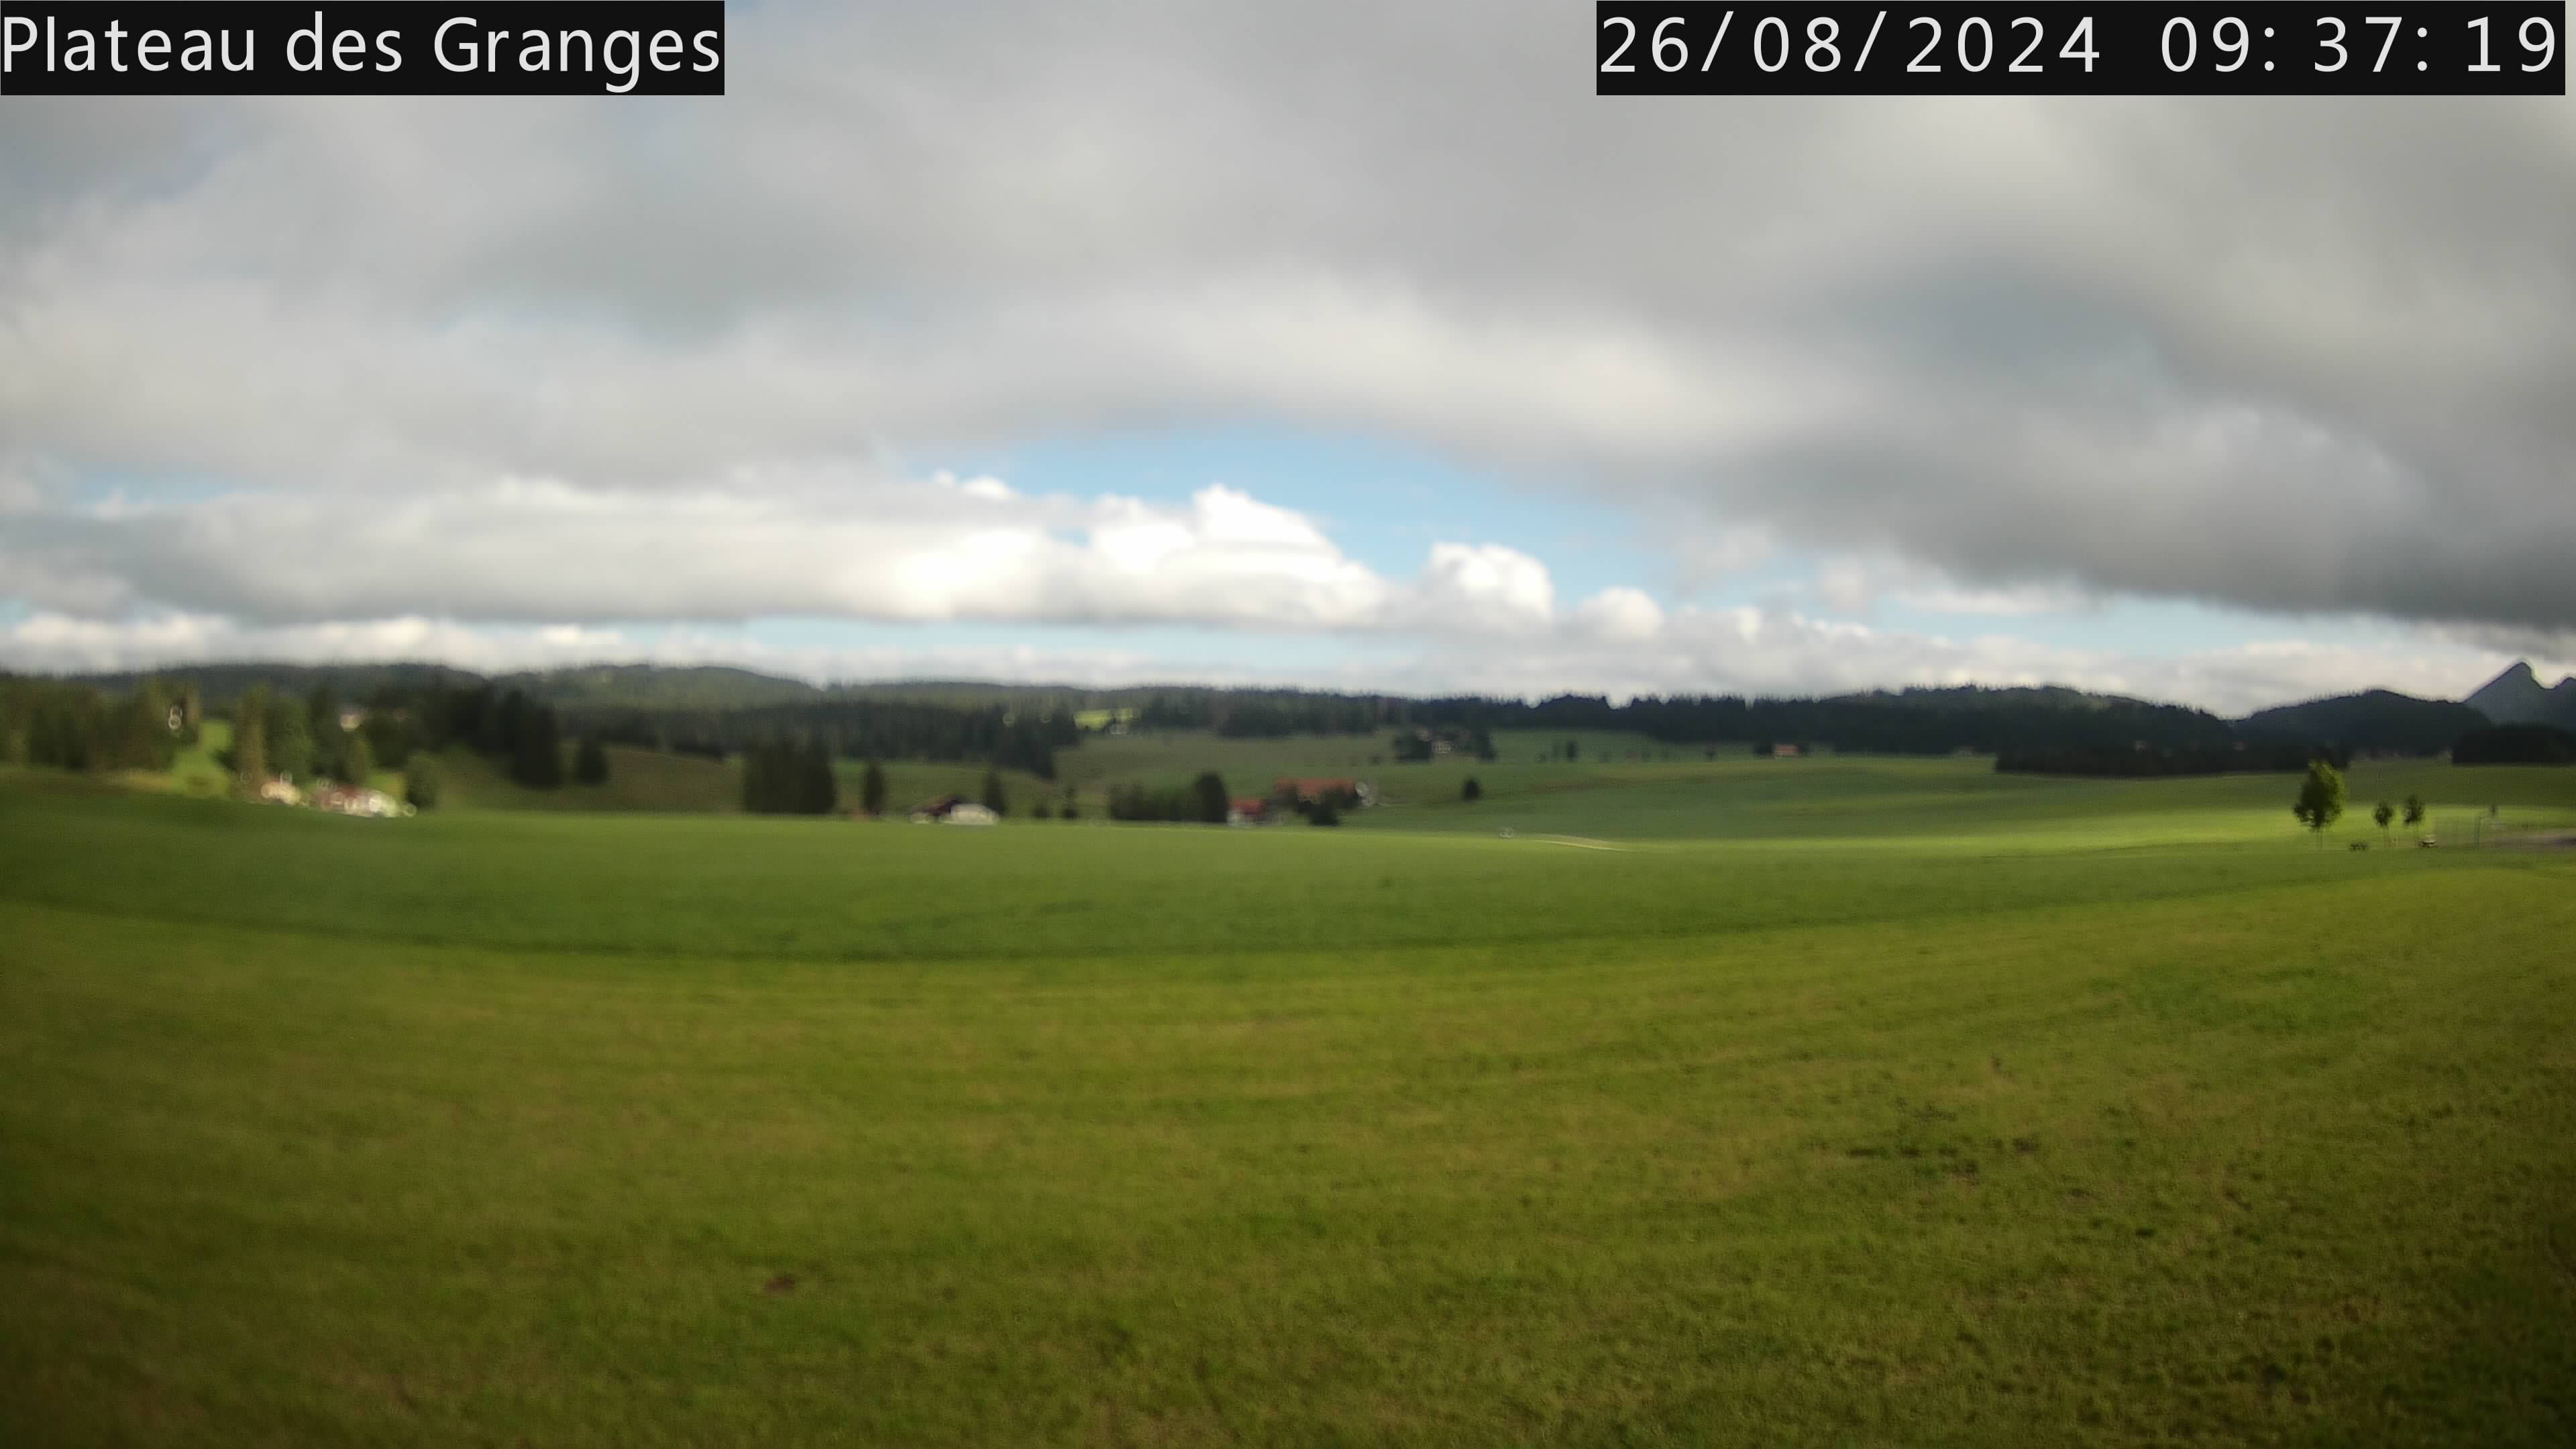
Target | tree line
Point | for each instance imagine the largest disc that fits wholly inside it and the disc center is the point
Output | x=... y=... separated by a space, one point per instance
x=849 y=729
x=1203 y=801
x=1915 y=721
x=2133 y=762
x=2515 y=744
x=77 y=727
x=783 y=777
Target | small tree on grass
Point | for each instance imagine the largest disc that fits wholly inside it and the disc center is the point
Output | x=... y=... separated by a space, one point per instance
x=2380 y=815
x=1041 y=810
x=420 y=782
x=1471 y=792
x=1324 y=813
x=1209 y=792
x=357 y=761
x=872 y=789
x=818 y=790
x=250 y=739
x=1071 y=810
x=2320 y=801
x=994 y=799
x=2414 y=811
x=590 y=762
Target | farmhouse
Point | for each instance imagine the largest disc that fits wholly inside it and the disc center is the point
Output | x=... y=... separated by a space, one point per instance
x=1247 y=810
x=375 y=804
x=953 y=810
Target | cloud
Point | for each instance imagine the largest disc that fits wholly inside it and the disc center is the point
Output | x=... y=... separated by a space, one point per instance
x=1620 y=613
x=1602 y=649
x=855 y=547
x=542 y=359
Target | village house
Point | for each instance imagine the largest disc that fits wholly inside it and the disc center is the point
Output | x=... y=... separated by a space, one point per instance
x=1247 y=810
x=954 y=810
x=347 y=800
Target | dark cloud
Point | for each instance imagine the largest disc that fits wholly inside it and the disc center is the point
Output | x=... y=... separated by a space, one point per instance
x=2285 y=355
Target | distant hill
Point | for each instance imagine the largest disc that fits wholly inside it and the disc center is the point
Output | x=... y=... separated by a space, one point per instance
x=2377 y=720
x=2516 y=697
x=221 y=684
x=1980 y=696
x=659 y=686
x=634 y=686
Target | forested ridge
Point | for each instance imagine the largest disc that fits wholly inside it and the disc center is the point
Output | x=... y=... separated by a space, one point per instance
x=94 y=722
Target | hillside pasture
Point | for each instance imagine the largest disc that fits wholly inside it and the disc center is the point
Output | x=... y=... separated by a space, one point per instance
x=558 y=1128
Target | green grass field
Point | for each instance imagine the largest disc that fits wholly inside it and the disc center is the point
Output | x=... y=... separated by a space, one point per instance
x=1823 y=1102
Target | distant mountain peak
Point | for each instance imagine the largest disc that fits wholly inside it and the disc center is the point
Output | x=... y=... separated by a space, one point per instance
x=2516 y=697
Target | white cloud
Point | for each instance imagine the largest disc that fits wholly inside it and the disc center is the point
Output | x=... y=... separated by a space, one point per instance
x=2299 y=355
x=1620 y=613
x=854 y=547
x=1695 y=651
x=1484 y=587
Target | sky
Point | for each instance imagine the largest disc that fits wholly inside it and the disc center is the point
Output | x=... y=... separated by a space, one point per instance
x=1344 y=345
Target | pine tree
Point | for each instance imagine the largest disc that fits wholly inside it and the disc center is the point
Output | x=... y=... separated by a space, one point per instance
x=290 y=742
x=590 y=762
x=357 y=762
x=1208 y=792
x=420 y=782
x=536 y=759
x=822 y=792
x=872 y=789
x=250 y=738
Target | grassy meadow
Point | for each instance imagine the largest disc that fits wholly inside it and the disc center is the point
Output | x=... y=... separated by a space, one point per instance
x=1832 y=1101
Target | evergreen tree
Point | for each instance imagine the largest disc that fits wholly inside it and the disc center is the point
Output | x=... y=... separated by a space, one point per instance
x=1208 y=791
x=250 y=738
x=322 y=727
x=357 y=761
x=590 y=762
x=994 y=799
x=420 y=781
x=1471 y=792
x=509 y=724
x=822 y=792
x=536 y=759
x=290 y=741
x=872 y=789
